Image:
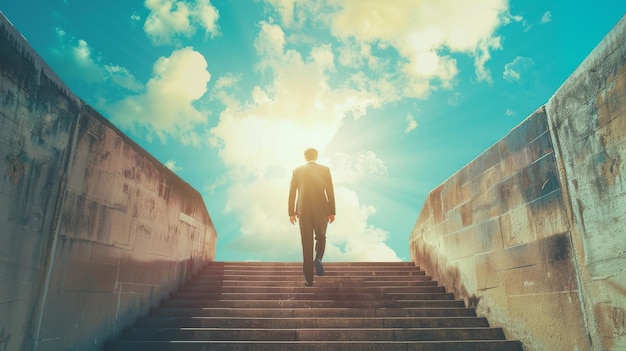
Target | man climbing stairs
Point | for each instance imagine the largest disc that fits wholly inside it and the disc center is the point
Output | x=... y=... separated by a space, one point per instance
x=354 y=306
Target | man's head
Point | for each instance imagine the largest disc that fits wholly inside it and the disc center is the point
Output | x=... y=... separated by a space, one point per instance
x=310 y=154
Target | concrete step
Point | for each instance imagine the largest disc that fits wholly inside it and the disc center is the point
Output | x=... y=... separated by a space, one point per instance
x=212 y=288
x=354 y=306
x=329 y=271
x=313 y=333
x=335 y=267
x=378 y=265
x=316 y=322
x=334 y=271
x=328 y=277
x=312 y=303
x=309 y=295
x=471 y=345
x=296 y=281
x=271 y=312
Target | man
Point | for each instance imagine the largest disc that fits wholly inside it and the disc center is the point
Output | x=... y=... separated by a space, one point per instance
x=314 y=209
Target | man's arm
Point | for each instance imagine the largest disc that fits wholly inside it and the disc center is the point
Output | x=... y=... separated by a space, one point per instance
x=293 y=188
x=330 y=194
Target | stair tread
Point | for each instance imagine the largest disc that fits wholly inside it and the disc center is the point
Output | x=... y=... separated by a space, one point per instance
x=309 y=322
x=312 y=333
x=319 y=345
x=308 y=312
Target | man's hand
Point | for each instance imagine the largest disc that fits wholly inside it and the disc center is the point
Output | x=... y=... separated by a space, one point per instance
x=331 y=218
x=292 y=219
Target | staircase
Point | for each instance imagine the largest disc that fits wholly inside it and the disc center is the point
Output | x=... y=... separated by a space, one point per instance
x=354 y=306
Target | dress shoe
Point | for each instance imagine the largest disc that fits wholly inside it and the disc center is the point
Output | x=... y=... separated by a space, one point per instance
x=308 y=283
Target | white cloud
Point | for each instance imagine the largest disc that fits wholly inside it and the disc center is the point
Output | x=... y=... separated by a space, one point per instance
x=351 y=238
x=270 y=45
x=207 y=16
x=74 y=58
x=296 y=110
x=123 y=78
x=296 y=13
x=425 y=36
x=422 y=31
x=546 y=18
x=411 y=123
x=165 y=107
x=324 y=57
x=171 y=164
x=261 y=140
x=349 y=169
x=285 y=8
x=514 y=70
x=169 y=19
x=482 y=55
x=509 y=112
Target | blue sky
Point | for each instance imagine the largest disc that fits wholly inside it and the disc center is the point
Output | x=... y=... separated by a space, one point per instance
x=396 y=95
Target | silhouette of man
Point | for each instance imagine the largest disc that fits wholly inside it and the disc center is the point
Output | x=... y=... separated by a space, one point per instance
x=314 y=209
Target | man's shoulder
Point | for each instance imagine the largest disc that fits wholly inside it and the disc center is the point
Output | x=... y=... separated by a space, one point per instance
x=319 y=166
x=314 y=165
x=311 y=166
x=299 y=168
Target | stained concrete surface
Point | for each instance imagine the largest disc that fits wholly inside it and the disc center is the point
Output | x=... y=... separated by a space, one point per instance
x=533 y=231
x=93 y=230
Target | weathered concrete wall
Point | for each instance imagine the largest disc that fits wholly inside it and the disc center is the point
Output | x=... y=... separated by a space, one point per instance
x=496 y=233
x=533 y=231
x=588 y=121
x=93 y=230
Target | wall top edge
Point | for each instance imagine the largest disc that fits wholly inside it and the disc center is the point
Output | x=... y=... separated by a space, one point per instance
x=613 y=37
x=21 y=45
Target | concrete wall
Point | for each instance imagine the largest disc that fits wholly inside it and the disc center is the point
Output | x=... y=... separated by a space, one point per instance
x=588 y=123
x=93 y=230
x=533 y=231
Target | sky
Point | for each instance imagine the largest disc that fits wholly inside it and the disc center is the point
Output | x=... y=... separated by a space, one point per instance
x=397 y=96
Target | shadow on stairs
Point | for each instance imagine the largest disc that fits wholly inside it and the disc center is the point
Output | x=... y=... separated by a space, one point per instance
x=355 y=306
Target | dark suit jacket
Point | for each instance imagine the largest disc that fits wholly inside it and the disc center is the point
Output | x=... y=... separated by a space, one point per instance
x=314 y=187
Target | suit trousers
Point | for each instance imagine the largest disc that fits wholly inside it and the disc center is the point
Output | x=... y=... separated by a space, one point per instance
x=312 y=225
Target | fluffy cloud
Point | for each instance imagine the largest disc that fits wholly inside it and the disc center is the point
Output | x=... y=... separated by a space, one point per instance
x=513 y=71
x=352 y=168
x=165 y=107
x=296 y=110
x=262 y=139
x=411 y=123
x=424 y=34
x=74 y=58
x=422 y=31
x=171 y=164
x=350 y=237
x=169 y=19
